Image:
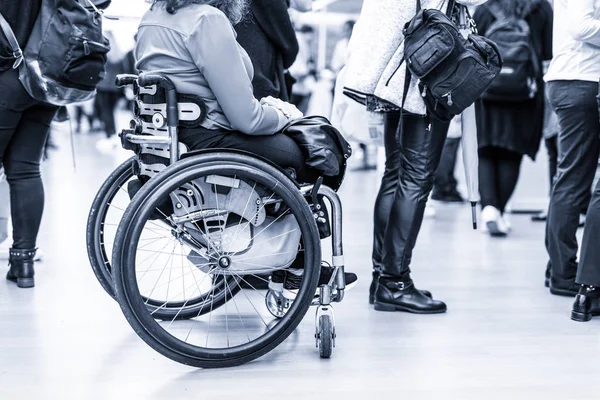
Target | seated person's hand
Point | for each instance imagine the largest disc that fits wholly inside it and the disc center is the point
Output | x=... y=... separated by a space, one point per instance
x=289 y=110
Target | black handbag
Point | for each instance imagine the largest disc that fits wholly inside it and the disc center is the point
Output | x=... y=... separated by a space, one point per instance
x=324 y=147
x=452 y=71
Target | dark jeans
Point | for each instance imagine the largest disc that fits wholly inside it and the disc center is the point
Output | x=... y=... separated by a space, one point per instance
x=588 y=272
x=578 y=147
x=445 y=182
x=24 y=127
x=278 y=148
x=107 y=105
x=498 y=175
x=412 y=156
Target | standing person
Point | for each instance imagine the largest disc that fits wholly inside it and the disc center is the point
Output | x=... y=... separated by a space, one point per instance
x=108 y=96
x=572 y=89
x=304 y=69
x=24 y=127
x=412 y=149
x=340 y=51
x=269 y=38
x=509 y=129
x=338 y=60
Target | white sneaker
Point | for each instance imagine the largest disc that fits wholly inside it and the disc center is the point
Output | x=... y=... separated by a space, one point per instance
x=108 y=145
x=493 y=221
x=504 y=221
x=429 y=211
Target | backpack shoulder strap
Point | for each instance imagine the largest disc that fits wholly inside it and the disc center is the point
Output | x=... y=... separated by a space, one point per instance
x=12 y=41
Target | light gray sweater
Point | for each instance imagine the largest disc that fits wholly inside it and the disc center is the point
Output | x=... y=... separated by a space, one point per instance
x=377 y=46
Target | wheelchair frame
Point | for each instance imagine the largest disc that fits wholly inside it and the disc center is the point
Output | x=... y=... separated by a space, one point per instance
x=329 y=293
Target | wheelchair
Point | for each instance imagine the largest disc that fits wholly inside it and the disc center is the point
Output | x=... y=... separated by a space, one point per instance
x=215 y=258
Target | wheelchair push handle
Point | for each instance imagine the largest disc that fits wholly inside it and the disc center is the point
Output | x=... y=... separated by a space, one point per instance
x=125 y=80
x=163 y=81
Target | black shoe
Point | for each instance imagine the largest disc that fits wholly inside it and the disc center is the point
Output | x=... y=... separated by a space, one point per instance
x=21 y=267
x=569 y=289
x=373 y=288
x=548 y=274
x=450 y=196
x=401 y=295
x=587 y=304
x=327 y=273
x=256 y=282
x=540 y=217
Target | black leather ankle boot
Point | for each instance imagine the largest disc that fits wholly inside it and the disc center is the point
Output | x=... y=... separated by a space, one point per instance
x=393 y=294
x=587 y=304
x=373 y=288
x=21 y=267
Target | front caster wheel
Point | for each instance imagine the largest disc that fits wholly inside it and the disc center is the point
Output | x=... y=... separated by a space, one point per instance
x=325 y=336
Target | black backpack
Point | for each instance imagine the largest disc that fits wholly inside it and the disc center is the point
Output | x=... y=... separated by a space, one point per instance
x=66 y=53
x=517 y=80
x=452 y=71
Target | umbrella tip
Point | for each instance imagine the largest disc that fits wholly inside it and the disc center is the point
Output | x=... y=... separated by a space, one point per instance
x=474 y=214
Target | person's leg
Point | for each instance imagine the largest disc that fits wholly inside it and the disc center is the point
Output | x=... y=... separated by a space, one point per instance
x=445 y=183
x=387 y=190
x=488 y=177
x=579 y=147
x=22 y=165
x=509 y=167
x=106 y=107
x=420 y=151
x=385 y=196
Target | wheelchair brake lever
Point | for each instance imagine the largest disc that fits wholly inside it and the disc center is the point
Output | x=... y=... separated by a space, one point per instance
x=315 y=190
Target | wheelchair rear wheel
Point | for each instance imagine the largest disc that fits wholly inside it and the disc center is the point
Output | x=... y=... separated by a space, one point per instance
x=105 y=214
x=233 y=217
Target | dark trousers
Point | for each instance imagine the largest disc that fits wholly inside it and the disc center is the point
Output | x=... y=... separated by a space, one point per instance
x=412 y=156
x=552 y=150
x=498 y=175
x=278 y=148
x=24 y=127
x=445 y=182
x=107 y=105
x=578 y=147
x=588 y=272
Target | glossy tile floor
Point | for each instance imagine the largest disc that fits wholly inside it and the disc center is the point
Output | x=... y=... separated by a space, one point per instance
x=504 y=336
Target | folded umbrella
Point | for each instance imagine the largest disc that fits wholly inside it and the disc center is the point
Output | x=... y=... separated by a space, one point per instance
x=469 y=134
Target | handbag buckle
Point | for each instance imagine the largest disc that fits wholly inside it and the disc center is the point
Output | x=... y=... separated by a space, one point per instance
x=18 y=55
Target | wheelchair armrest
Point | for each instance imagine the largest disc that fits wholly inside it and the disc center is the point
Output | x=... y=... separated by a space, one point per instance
x=125 y=80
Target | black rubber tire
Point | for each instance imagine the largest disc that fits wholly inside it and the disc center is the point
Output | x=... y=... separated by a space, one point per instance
x=99 y=260
x=325 y=336
x=133 y=221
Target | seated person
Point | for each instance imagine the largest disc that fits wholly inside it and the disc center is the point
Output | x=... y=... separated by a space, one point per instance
x=193 y=42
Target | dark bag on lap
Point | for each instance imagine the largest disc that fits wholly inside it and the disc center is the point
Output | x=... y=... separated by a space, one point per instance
x=452 y=71
x=324 y=147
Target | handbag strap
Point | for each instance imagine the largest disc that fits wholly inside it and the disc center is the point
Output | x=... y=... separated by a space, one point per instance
x=449 y=10
x=12 y=41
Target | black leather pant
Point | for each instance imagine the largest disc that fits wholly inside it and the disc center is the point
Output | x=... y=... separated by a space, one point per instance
x=578 y=146
x=412 y=156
